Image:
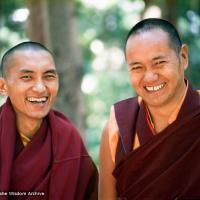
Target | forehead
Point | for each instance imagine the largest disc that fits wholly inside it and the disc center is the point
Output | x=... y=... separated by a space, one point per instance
x=154 y=35
x=29 y=59
x=148 y=41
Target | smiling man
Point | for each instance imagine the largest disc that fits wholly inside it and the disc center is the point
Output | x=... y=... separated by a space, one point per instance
x=150 y=146
x=41 y=152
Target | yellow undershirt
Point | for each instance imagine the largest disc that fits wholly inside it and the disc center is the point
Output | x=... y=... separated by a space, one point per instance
x=25 y=139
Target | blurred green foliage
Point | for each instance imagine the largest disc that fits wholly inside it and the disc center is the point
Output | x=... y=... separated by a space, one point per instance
x=103 y=28
x=11 y=32
x=111 y=87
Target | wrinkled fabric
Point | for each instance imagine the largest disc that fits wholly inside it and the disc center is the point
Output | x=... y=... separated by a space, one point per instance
x=54 y=165
x=166 y=166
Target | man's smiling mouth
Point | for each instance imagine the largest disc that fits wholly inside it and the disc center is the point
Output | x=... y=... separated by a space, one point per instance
x=37 y=99
x=155 y=88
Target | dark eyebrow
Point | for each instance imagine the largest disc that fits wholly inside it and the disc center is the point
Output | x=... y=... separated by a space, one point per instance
x=52 y=71
x=26 y=71
x=134 y=63
x=159 y=57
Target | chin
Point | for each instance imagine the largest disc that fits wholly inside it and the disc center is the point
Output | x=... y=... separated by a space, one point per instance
x=39 y=115
x=154 y=103
x=157 y=104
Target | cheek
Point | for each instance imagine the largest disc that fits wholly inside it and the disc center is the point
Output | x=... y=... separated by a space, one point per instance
x=173 y=75
x=11 y=91
x=135 y=79
x=54 y=89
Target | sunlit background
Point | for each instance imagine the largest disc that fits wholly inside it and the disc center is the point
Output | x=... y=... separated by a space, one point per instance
x=101 y=28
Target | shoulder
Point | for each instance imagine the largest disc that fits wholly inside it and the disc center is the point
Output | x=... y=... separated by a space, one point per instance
x=66 y=138
x=131 y=99
x=64 y=126
x=127 y=107
x=126 y=103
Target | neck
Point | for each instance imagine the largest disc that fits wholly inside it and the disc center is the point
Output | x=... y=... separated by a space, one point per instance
x=28 y=128
x=161 y=115
x=160 y=120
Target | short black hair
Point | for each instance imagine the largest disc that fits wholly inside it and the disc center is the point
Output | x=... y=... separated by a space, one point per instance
x=27 y=45
x=157 y=23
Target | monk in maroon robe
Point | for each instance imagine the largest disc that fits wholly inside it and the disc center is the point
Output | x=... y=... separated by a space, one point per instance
x=167 y=161
x=42 y=155
x=151 y=144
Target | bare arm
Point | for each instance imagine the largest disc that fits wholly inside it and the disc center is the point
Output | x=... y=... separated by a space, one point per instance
x=107 y=189
x=110 y=137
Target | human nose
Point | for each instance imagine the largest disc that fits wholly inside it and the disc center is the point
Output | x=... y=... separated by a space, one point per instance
x=39 y=86
x=150 y=76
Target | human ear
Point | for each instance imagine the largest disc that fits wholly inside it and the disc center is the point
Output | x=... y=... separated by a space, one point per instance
x=3 y=87
x=184 y=56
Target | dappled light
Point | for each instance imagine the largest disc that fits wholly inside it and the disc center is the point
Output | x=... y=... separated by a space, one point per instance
x=100 y=5
x=97 y=47
x=20 y=15
x=87 y=38
x=153 y=11
x=89 y=84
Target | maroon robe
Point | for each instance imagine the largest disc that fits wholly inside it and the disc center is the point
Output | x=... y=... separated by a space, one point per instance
x=54 y=165
x=166 y=166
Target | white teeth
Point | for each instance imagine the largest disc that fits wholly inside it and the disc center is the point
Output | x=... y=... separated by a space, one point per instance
x=38 y=100
x=155 y=88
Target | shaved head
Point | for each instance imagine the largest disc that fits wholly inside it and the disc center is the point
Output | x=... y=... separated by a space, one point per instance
x=29 y=45
x=156 y=23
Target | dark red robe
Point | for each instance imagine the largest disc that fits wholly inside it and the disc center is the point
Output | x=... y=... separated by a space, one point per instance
x=54 y=165
x=166 y=166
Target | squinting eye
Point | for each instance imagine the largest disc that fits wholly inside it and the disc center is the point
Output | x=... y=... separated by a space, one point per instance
x=26 y=77
x=50 y=76
x=135 y=68
x=160 y=62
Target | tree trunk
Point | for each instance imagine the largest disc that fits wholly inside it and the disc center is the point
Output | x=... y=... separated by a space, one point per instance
x=168 y=7
x=170 y=11
x=57 y=29
x=37 y=26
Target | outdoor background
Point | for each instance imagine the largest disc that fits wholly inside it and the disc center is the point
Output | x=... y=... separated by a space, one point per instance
x=87 y=39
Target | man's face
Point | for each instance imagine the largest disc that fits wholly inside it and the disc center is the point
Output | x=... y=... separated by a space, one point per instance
x=31 y=83
x=155 y=69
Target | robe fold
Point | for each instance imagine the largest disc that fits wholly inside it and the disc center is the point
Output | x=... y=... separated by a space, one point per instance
x=54 y=165
x=166 y=166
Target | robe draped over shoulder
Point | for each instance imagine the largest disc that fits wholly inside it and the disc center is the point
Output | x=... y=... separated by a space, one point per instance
x=166 y=166
x=54 y=165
